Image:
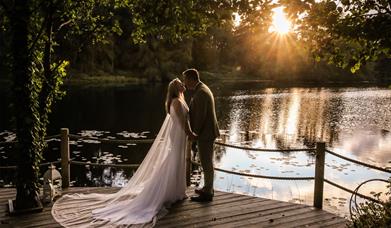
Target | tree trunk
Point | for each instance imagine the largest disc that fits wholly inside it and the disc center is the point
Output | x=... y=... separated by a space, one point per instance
x=25 y=106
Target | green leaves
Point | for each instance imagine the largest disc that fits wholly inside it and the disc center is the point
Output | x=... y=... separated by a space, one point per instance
x=361 y=29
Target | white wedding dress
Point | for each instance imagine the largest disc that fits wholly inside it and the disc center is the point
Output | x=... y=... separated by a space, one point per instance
x=158 y=182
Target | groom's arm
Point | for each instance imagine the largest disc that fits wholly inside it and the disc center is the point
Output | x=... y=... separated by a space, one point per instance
x=199 y=111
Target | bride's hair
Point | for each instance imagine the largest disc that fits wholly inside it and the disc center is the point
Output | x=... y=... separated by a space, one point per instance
x=172 y=92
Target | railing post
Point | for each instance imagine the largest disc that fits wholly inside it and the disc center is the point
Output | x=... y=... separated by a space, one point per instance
x=319 y=174
x=65 y=166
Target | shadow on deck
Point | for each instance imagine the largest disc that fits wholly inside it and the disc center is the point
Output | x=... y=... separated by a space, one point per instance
x=226 y=210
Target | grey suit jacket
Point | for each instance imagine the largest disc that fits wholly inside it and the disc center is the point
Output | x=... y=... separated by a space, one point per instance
x=202 y=114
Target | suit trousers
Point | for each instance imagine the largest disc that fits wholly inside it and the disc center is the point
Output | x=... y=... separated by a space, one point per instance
x=206 y=154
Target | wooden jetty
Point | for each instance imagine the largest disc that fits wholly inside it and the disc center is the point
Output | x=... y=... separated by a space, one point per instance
x=226 y=210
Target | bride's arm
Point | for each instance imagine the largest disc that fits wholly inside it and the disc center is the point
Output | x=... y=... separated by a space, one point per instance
x=185 y=125
x=192 y=136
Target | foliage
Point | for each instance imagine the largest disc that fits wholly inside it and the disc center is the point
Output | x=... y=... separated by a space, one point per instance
x=39 y=39
x=39 y=30
x=247 y=50
x=372 y=214
x=347 y=33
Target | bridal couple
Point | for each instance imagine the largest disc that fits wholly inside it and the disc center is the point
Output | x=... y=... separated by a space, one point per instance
x=160 y=180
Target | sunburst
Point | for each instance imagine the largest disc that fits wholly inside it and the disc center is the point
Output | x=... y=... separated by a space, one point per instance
x=280 y=23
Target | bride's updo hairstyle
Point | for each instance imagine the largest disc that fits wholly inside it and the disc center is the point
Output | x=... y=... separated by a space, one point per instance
x=172 y=92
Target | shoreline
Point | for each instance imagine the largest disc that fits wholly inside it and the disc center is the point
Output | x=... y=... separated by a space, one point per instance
x=81 y=80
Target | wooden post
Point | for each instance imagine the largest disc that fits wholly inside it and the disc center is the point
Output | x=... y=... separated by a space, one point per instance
x=319 y=174
x=65 y=166
x=188 y=162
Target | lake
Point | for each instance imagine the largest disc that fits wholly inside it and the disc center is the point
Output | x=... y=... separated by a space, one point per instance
x=353 y=121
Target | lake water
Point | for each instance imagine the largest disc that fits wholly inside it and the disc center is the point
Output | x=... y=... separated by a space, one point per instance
x=354 y=122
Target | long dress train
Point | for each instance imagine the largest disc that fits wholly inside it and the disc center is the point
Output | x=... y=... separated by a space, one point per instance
x=158 y=182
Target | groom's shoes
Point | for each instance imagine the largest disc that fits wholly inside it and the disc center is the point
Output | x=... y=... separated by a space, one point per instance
x=200 y=191
x=204 y=197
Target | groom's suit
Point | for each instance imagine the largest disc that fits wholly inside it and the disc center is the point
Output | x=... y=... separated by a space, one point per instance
x=203 y=122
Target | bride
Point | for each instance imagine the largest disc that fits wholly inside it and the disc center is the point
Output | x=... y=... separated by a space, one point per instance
x=158 y=182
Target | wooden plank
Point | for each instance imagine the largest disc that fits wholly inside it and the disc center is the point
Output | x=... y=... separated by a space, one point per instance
x=295 y=218
x=27 y=221
x=91 y=190
x=42 y=223
x=50 y=226
x=315 y=220
x=335 y=223
x=276 y=208
x=226 y=210
x=194 y=206
x=4 y=199
x=190 y=205
x=215 y=213
x=339 y=225
x=327 y=218
x=187 y=205
x=7 y=196
x=268 y=220
x=32 y=219
x=224 y=218
x=281 y=221
x=197 y=213
x=7 y=190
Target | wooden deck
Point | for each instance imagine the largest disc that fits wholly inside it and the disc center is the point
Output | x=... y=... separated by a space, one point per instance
x=226 y=210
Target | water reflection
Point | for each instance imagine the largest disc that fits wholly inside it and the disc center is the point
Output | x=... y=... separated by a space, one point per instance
x=348 y=120
x=300 y=117
x=354 y=122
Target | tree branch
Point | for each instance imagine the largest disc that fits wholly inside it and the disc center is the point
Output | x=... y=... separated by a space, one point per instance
x=369 y=15
x=63 y=24
x=81 y=46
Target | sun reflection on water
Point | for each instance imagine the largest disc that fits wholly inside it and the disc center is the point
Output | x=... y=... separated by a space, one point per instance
x=354 y=122
x=345 y=119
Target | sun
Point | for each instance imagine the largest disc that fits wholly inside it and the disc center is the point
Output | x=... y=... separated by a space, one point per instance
x=280 y=23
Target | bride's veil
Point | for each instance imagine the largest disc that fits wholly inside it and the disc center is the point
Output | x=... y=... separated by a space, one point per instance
x=149 y=166
x=84 y=210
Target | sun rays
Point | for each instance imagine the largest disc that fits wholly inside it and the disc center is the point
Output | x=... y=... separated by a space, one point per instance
x=280 y=24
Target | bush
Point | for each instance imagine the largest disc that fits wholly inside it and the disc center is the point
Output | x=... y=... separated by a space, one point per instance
x=372 y=214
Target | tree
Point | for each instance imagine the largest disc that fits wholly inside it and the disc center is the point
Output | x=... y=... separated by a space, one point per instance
x=347 y=33
x=37 y=72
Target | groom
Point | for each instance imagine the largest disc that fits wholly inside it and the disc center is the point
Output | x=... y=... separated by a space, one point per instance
x=203 y=122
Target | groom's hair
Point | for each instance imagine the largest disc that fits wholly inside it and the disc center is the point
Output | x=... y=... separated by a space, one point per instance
x=192 y=74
